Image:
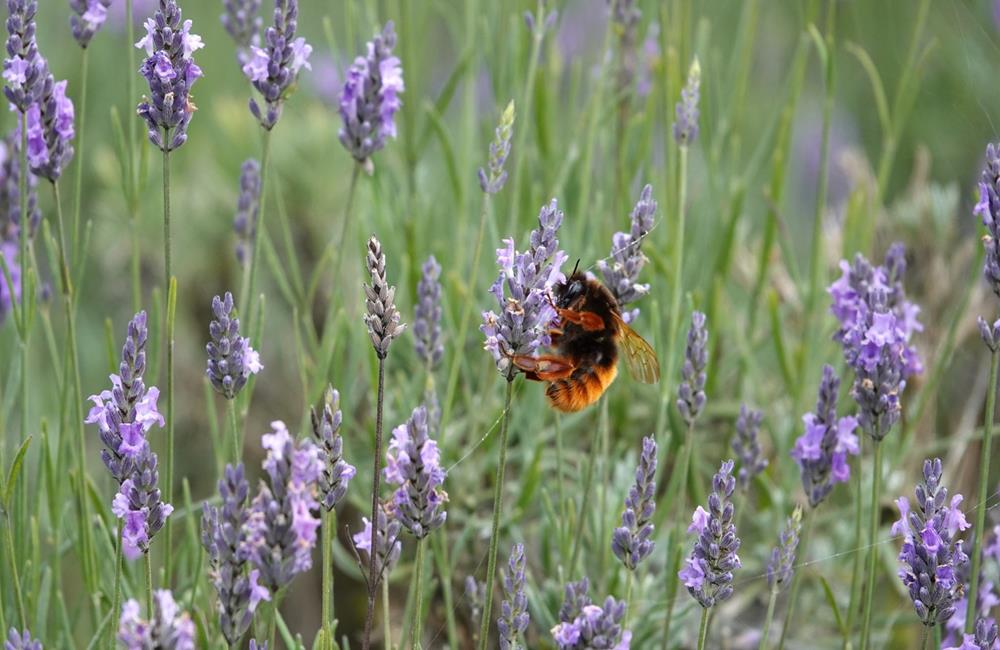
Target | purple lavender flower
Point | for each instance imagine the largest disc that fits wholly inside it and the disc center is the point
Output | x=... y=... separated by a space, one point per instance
x=257 y=646
x=782 y=563
x=231 y=360
x=988 y=209
x=686 y=111
x=985 y=637
x=24 y=69
x=931 y=557
x=274 y=69
x=224 y=536
x=622 y=267
x=691 y=390
x=337 y=473
x=632 y=542
x=585 y=626
x=387 y=543
x=127 y=410
x=625 y=17
x=708 y=573
x=522 y=291
x=494 y=181
x=242 y=23
x=514 y=616
x=413 y=463
x=87 y=18
x=427 y=315
x=18 y=641
x=10 y=191
x=138 y=502
x=169 y=629
x=988 y=596
x=989 y=333
x=247 y=210
x=381 y=317
x=821 y=452
x=50 y=130
x=747 y=445
x=170 y=71
x=370 y=98
x=282 y=526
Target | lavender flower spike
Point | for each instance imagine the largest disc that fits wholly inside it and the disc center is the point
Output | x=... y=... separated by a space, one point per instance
x=170 y=71
x=586 y=626
x=988 y=210
x=782 y=563
x=427 y=315
x=387 y=543
x=821 y=452
x=985 y=637
x=50 y=130
x=632 y=542
x=169 y=628
x=747 y=445
x=708 y=573
x=242 y=23
x=475 y=596
x=932 y=556
x=10 y=191
x=247 y=210
x=686 y=111
x=274 y=69
x=413 y=463
x=382 y=317
x=87 y=18
x=622 y=267
x=522 y=291
x=514 y=618
x=370 y=98
x=24 y=69
x=138 y=502
x=691 y=390
x=18 y=641
x=337 y=473
x=494 y=181
x=231 y=360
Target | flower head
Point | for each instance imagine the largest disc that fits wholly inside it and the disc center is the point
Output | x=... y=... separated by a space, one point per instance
x=381 y=317
x=686 y=111
x=708 y=571
x=691 y=390
x=247 y=210
x=21 y=641
x=50 y=130
x=427 y=316
x=632 y=542
x=782 y=563
x=622 y=267
x=337 y=473
x=231 y=360
x=387 y=543
x=984 y=638
x=493 y=182
x=274 y=69
x=370 y=98
x=586 y=626
x=988 y=210
x=242 y=22
x=138 y=502
x=24 y=69
x=169 y=628
x=10 y=192
x=747 y=445
x=514 y=618
x=413 y=463
x=87 y=18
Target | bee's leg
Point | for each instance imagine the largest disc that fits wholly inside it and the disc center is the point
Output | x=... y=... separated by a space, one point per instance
x=588 y=320
x=554 y=334
x=546 y=367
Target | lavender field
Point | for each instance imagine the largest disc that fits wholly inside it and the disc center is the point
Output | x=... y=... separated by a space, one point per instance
x=538 y=324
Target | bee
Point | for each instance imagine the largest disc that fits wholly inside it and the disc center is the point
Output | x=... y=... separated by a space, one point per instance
x=587 y=341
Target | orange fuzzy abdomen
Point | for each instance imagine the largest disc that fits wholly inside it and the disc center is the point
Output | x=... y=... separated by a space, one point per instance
x=581 y=389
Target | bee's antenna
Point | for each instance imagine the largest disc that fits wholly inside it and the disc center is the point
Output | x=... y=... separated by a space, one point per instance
x=576 y=267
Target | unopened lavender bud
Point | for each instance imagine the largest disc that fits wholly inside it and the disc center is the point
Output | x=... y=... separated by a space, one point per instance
x=413 y=463
x=21 y=641
x=514 y=618
x=247 y=210
x=493 y=182
x=989 y=333
x=243 y=24
x=427 y=315
x=622 y=267
x=87 y=18
x=686 y=111
x=382 y=317
x=747 y=445
x=691 y=391
x=336 y=474
x=231 y=360
x=782 y=563
x=632 y=542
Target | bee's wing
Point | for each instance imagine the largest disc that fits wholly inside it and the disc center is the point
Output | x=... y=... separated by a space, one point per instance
x=640 y=359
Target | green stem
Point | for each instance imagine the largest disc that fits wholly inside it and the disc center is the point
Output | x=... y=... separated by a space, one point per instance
x=603 y=498
x=329 y=534
x=678 y=274
x=117 y=593
x=148 y=564
x=234 y=425
x=171 y=283
x=873 y=545
x=925 y=636
x=703 y=629
x=132 y=182
x=272 y=624
x=9 y=538
x=440 y=550
x=386 y=620
x=856 y=570
x=797 y=577
x=584 y=500
x=80 y=141
x=676 y=536
x=984 y=481
x=376 y=475
x=767 y=621
x=629 y=581
x=418 y=591
x=246 y=295
x=23 y=259
x=522 y=133
x=491 y=563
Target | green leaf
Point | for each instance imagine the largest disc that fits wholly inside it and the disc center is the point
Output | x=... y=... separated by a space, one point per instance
x=441 y=131
x=878 y=88
x=15 y=470
x=833 y=604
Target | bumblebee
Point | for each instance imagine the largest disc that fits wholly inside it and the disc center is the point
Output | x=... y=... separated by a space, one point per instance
x=588 y=340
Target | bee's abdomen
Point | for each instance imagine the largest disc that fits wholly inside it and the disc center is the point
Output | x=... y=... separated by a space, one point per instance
x=582 y=388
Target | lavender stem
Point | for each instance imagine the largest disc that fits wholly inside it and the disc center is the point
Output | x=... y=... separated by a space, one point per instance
x=629 y=580
x=376 y=475
x=250 y=276
x=234 y=425
x=9 y=538
x=673 y=556
x=770 y=617
x=678 y=272
x=171 y=307
x=858 y=533
x=117 y=593
x=132 y=180
x=329 y=535
x=796 y=578
x=872 y=536
x=703 y=629
x=386 y=623
x=148 y=563
x=418 y=595
x=84 y=60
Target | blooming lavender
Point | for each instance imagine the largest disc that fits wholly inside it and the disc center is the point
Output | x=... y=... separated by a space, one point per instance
x=746 y=444
x=387 y=543
x=586 y=626
x=231 y=360
x=821 y=452
x=242 y=23
x=138 y=503
x=169 y=628
x=522 y=290
x=984 y=638
x=274 y=69
x=381 y=317
x=247 y=210
x=24 y=69
x=632 y=542
x=337 y=473
x=988 y=209
x=370 y=98
x=514 y=616
x=493 y=182
x=708 y=572
x=171 y=72
x=427 y=315
x=18 y=641
x=686 y=111
x=622 y=267
x=413 y=463
x=931 y=556
x=782 y=562
x=224 y=536
x=281 y=530
x=691 y=390
x=87 y=18
x=50 y=130
x=988 y=597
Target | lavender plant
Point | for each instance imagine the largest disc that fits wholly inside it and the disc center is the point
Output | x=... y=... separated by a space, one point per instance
x=247 y=210
x=984 y=638
x=274 y=70
x=87 y=19
x=21 y=641
x=620 y=270
x=514 y=617
x=746 y=445
x=168 y=627
x=384 y=536
x=243 y=23
x=493 y=182
x=584 y=625
x=427 y=316
x=781 y=566
x=691 y=390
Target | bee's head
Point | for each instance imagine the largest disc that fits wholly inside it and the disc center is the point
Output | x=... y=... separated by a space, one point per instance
x=571 y=289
